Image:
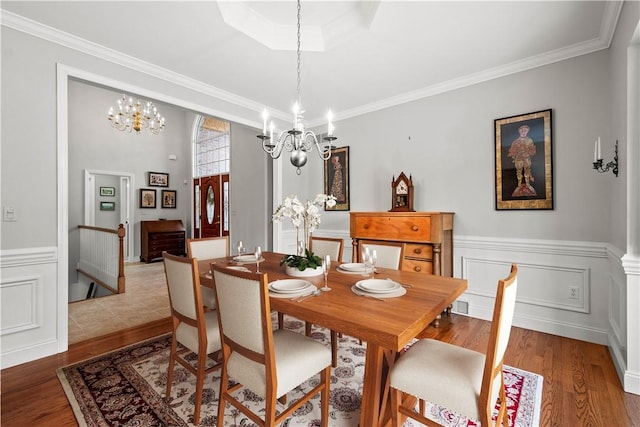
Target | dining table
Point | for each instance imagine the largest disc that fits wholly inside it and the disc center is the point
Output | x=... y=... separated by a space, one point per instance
x=386 y=322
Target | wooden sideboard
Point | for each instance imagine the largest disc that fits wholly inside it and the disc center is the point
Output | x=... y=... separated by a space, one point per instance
x=427 y=238
x=159 y=236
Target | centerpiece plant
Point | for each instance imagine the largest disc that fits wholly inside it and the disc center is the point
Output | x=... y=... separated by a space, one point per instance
x=305 y=216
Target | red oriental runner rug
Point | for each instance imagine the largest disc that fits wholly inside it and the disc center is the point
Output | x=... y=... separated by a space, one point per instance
x=126 y=388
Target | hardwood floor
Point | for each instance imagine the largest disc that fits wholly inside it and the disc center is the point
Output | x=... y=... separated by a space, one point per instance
x=581 y=387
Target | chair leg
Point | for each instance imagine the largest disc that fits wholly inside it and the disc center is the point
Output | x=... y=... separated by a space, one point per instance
x=395 y=402
x=280 y=320
x=224 y=385
x=202 y=361
x=172 y=356
x=325 y=377
x=307 y=329
x=334 y=349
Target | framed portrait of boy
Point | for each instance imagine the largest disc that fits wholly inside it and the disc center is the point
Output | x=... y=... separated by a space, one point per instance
x=523 y=166
x=336 y=178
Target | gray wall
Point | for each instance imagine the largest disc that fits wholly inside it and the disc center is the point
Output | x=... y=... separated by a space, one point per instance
x=450 y=153
x=95 y=145
x=29 y=90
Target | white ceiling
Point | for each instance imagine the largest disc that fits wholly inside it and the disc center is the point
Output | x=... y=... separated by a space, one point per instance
x=367 y=55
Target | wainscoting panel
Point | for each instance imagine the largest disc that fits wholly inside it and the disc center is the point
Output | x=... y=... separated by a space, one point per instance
x=563 y=287
x=18 y=318
x=29 y=295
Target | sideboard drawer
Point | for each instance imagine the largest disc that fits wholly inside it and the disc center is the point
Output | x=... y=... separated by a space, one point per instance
x=409 y=228
x=412 y=250
x=417 y=265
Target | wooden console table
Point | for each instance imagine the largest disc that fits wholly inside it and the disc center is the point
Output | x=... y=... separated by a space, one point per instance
x=427 y=238
x=159 y=236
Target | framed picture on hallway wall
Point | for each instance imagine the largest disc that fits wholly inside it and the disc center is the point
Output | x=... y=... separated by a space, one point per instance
x=336 y=178
x=147 y=198
x=523 y=166
x=158 y=179
x=169 y=199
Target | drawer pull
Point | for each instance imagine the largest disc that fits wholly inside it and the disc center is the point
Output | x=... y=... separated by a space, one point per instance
x=417 y=268
x=415 y=228
x=417 y=251
x=366 y=226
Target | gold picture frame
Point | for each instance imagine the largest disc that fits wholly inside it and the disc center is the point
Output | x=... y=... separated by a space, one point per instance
x=523 y=161
x=336 y=178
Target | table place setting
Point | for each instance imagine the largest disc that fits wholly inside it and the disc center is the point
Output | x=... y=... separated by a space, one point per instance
x=246 y=259
x=291 y=288
x=230 y=267
x=351 y=268
x=378 y=288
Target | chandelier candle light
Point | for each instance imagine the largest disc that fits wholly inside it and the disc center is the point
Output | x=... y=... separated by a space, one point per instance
x=132 y=115
x=297 y=141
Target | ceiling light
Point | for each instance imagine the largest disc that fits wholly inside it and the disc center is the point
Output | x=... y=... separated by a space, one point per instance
x=297 y=141
x=134 y=116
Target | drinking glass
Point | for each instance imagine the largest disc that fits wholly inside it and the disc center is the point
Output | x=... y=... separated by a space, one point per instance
x=373 y=259
x=366 y=259
x=258 y=254
x=240 y=248
x=326 y=266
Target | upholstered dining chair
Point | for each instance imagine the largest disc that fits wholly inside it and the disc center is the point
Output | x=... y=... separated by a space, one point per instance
x=194 y=329
x=207 y=248
x=322 y=246
x=462 y=380
x=269 y=363
x=389 y=254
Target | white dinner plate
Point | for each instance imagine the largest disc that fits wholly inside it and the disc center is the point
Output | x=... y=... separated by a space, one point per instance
x=378 y=286
x=288 y=286
x=245 y=258
x=239 y=268
x=352 y=266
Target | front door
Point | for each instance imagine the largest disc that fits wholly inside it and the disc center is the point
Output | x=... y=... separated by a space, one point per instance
x=210 y=205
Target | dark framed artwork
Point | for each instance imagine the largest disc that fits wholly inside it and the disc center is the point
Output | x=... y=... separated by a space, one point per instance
x=336 y=178
x=158 y=179
x=523 y=150
x=108 y=191
x=147 y=198
x=107 y=206
x=169 y=199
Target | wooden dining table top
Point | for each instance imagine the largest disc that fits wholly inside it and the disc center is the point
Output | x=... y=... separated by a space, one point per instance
x=391 y=323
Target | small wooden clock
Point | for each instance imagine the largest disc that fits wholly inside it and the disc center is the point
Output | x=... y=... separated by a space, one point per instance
x=402 y=194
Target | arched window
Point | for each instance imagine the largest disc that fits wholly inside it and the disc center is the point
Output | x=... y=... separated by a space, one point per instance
x=212 y=147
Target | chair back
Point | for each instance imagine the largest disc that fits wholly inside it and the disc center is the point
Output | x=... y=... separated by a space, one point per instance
x=245 y=325
x=208 y=247
x=492 y=380
x=389 y=254
x=183 y=282
x=322 y=246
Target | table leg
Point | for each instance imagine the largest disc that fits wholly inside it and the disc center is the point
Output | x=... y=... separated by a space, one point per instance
x=374 y=378
x=376 y=401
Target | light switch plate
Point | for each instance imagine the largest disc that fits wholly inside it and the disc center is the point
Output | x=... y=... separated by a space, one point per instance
x=9 y=214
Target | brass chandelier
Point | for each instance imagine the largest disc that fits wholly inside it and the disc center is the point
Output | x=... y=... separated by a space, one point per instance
x=134 y=116
x=297 y=141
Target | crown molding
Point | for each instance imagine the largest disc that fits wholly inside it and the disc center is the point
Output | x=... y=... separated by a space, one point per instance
x=607 y=30
x=45 y=32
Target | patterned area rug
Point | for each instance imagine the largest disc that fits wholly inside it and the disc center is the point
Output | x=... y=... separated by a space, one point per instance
x=126 y=388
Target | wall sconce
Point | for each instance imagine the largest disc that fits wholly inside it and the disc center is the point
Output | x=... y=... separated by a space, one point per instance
x=598 y=163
